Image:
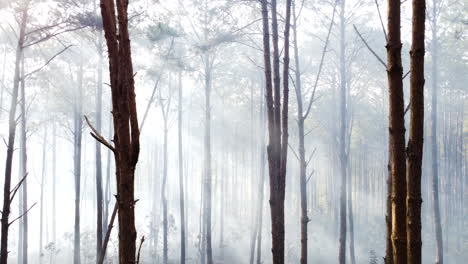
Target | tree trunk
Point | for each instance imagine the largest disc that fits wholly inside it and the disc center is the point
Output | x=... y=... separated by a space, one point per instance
x=301 y=148
x=163 y=193
x=11 y=138
x=388 y=217
x=207 y=171
x=397 y=133
x=99 y=196
x=261 y=185
x=434 y=145
x=416 y=134
x=342 y=137
x=24 y=168
x=54 y=178
x=77 y=141
x=277 y=124
x=181 y=173
x=44 y=171
x=126 y=131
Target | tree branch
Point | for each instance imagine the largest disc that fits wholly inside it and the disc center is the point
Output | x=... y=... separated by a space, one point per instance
x=47 y=62
x=369 y=48
x=109 y=229
x=139 y=249
x=95 y=134
x=23 y=214
x=16 y=188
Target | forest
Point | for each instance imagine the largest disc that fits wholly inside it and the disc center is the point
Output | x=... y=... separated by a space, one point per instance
x=234 y=131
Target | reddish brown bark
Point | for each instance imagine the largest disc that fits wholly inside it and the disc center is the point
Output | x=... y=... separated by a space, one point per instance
x=416 y=134
x=397 y=133
x=126 y=131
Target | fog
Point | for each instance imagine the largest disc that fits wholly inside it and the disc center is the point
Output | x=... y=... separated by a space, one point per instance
x=201 y=89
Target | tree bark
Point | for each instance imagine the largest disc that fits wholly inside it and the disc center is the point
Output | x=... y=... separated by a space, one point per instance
x=416 y=134
x=11 y=138
x=397 y=133
x=126 y=131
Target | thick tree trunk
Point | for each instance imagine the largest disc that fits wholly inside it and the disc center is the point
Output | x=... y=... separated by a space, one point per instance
x=434 y=144
x=342 y=137
x=181 y=172
x=126 y=131
x=397 y=133
x=416 y=134
x=388 y=217
x=11 y=138
x=99 y=196
x=261 y=185
x=77 y=140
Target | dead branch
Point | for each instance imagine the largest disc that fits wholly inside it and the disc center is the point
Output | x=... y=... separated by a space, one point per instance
x=106 y=239
x=16 y=188
x=47 y=62
x=369 y=48
x=139 y=249
x=322 y=59
x=23 y=214
x=95 y=134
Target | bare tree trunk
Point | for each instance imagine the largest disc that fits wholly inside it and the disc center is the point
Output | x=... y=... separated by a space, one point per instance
x=207 y=171
x=126 y=131
x=301 y=149
x=434 y=145
x=261 y=185
x=352 y=254
x=99 y=198
x=416 y=134
x=11 y=138
x=397 y=133
x=342 y=137
x=277 y=123
x=163 y=194
x=54 y=185
x=24 y=168
x=77 y=141
x=388 y=217
x=181 y=172
x=44 y=171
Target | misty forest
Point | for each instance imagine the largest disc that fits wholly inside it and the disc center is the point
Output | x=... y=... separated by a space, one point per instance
x=234 y=131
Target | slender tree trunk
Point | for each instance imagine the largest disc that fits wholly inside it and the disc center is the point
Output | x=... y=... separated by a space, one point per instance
x=41 y=218
x=342 y=138
x=99 y=198
x=301 y=149
x=397 y=133
x=352 y=254
x=208 y=176
x=261 y=185
x=77 y=141
x=181 y=173
x=434 y=145
x=416 y=134
x=163 y=194
x=54 y=184
x=24 y=168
